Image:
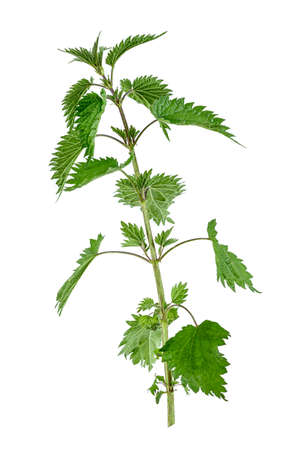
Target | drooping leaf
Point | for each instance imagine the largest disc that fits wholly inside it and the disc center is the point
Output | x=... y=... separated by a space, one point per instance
x=67 y=151
x=88 y=114
x=230 y=269
x=85 y=172
x=162 y=239
x=71 y=99
x=92 y=57
x=146 y=304
x=176 y=111
x=172 y=315
x=145 y=89
x=132 y=41
x=86 y=257
x=179 y=293
x=155 y=389
x=193 y=356
x=135 y=236
x=159 y=190
x=141 y=340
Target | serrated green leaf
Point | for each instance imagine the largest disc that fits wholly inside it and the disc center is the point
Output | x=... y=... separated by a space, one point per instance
x=67 y=151
x=141 y=340
x=85 y=172
x=72 y=97
x=155 y=390
x=176 y=111
x=162 y=239
x=92 y=57
x=132 y=41
x=133 y=132
x=88 y=114
x=230 y=269
x=172 y=315
x=145 y=304
x=158 y=396
x=86 y=257
x=145 y=89
x=159 y=191
x=135 y=236
x=120 y=133
x=179 y=293
x=193 y=355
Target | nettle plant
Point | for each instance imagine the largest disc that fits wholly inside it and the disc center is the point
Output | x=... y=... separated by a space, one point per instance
x=191 y=359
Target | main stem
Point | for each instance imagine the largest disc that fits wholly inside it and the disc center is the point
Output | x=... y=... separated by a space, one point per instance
x=162 y=303
x=157 y=275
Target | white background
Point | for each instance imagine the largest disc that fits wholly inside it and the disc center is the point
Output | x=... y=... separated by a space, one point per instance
x=63 y=386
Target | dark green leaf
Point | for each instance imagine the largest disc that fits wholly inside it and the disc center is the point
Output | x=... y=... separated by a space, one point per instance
x=141 y=340
x=83 y=262
x=158 y=396
x=71 y=99
x=193 y=355
x=88 y=114
x=230 y=269
x=132 y=41
x=85 y=172
x=179 y=293
x=145 y=89
x=91 y=57
x=176 y=111
x=67 y=151
x=135 y=235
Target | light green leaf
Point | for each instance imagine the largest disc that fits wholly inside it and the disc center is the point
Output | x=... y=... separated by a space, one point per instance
x=88 y=114
x=230 y=269
x=145 y=89
x=146 y=304
x=179 y=293
x=67 y=151
x=132 y=41
x=135 y=236
x=141 y=340
x=193 y=355
x=176 y=111
x=86 y=257
x=159 y=191
x=85 y=172
x=71 y=99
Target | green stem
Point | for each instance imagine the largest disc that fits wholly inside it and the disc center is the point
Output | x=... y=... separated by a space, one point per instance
x=162 y=303
x=158 y=280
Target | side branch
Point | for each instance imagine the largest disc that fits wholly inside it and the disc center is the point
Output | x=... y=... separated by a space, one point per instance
x=144 y=129
x=181 y=243
x=112 y=137
x=173 y=305
x=125 y=253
